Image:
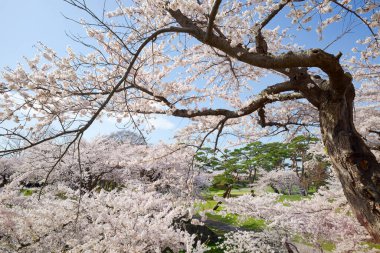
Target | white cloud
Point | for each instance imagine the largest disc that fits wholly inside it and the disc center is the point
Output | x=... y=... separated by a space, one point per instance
x=161 y=123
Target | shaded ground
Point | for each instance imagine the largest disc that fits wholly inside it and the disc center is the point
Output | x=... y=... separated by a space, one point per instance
x=221 y=227
x=229 y=223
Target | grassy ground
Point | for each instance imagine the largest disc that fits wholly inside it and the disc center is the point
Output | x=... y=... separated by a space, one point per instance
x=234 y=192
x=297 y=197
x=326 y=245
x=209 y=204
x=233 y=219
x=251 y=223
x=238 y=192
x=236 y=221
x=248 y=223
x=372 y=245
x=27 y=192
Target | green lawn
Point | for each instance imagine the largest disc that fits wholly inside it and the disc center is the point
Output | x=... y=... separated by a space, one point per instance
x=233 y=219
x=234 y=192
x=327 y=246
x=27 y=192
x=238 y=192
x=207 y=205
x=297 y=197
x=372 y=245
x=251 y=223
x=248 y=223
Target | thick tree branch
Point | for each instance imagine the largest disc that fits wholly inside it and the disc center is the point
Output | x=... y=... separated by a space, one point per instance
x=158 y=98
x=218 y=127
x=274 y=93
x=309 y=58
x=252 y=107
x=375 y=132
x=211 y=18
x=264 y=123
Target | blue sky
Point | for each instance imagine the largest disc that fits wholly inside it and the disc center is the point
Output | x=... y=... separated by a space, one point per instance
x=24 y=23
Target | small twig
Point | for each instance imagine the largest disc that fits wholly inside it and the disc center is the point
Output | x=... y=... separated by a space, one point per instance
x=273 y=14
x=56 y=164
x=359 y=17
x=80 y=181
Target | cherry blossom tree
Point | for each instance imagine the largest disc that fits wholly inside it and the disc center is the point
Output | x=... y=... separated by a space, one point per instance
x=281 y=181
x=129 y=220
x=247 y=241
x=72 y=209
x=200 y=60
x=325 y=217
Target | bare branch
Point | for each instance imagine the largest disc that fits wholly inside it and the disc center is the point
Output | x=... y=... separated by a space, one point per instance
x=83 y=7
x=116 y=88
x=264 y=123
x=273 y=93
x=359 y=17
x=57 y=162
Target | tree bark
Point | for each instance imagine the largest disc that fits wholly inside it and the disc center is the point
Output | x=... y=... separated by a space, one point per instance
x=353 y=161
x=251 y=177
x=294 y=164
x=356 y=166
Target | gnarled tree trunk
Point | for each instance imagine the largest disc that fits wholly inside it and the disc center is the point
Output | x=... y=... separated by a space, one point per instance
x=356 y=166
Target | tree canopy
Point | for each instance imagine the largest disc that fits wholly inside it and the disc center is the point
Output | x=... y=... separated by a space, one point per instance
x=202 y=60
